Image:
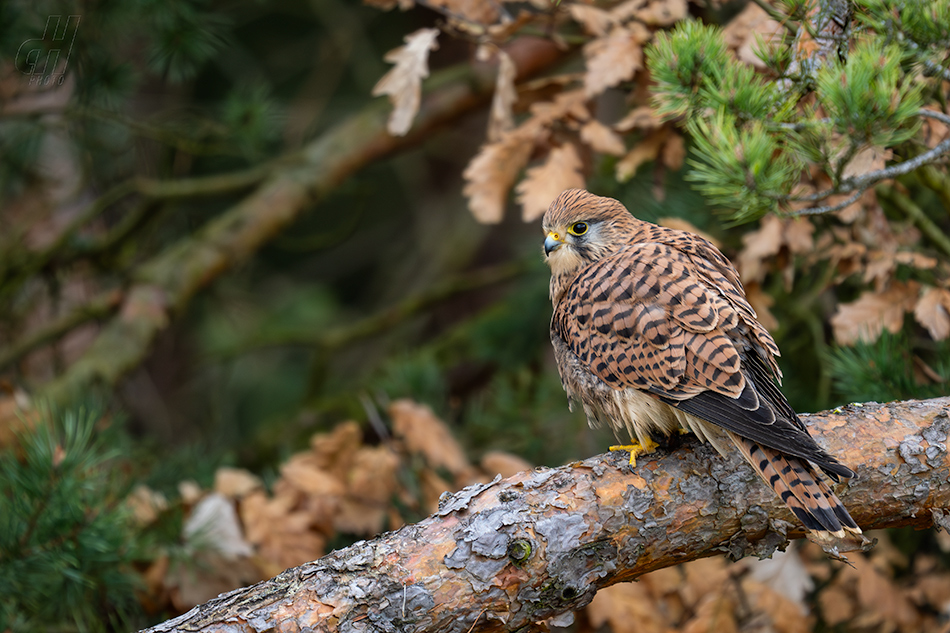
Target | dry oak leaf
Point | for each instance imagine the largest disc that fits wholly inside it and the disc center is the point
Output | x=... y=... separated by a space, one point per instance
x=640 y=118
x=867 y=317
x=304 y=475
x=282 y=537
x=369 y=485
x=491 y=173
x=504 y=464
x=740 y=34
x=602 y=139
x=386 y=5
x=334 y=451
x=234 y=483
x=501 y=117
x=481 y=12
x=646 y=150
x=403 y=83
x=614 y=57
x=933 y=312
x=662 y=12
x=867 y=160
x=673 y=152
x=596 y=21
x=423 y=433
x=542 y=184
x=627 y=607
x=762 y=303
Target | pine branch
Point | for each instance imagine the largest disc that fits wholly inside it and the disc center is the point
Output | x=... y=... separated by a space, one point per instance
x=860 y=184
x=505 y=555
x=165 y=284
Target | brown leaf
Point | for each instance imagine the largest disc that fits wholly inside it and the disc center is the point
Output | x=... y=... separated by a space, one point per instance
x=302 y=473
x=640 y=118
x=762 y=304
x=880 y=599
x=501 y=118
x=837 y=605
x=235 y=482
x=596 y=21
x=491 y=173
x=425 y=434
x=403 y=83
x=933 y=312
x=504 y=464
x=145 y=504
x=867 y=160
x=602 y=139
x=369 y=486
x=740 y=33
x=663 y=12
x=759 y=245
x=628 y=608
x=542 y=184
x=333 y=452
x=674 y=151
x=612 y=59
x=644 y=151
x=867 y=317
x=282 y=536
x=715 y=614
x=481 y=12
x=387 y=5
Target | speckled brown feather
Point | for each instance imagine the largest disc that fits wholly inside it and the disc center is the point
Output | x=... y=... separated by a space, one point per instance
x=652 y=330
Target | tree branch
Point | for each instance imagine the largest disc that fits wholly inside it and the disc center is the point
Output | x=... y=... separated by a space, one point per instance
x=166 y=283
x=507 y=554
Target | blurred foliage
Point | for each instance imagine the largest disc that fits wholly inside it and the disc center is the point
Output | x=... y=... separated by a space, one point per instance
x=68 y=542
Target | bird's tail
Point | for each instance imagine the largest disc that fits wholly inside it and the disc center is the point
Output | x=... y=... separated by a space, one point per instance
x=806 y=494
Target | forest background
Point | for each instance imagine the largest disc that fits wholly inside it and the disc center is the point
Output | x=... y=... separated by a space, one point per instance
x=252 y=311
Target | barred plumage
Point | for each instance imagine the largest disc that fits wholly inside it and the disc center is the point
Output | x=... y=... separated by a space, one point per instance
x=652 y=332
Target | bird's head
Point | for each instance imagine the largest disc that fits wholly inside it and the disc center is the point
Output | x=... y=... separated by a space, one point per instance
x=581 y=228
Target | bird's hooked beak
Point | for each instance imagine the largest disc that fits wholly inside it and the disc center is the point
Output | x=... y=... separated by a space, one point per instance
x=552 y=242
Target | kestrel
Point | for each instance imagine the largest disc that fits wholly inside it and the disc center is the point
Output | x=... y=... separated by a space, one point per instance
x=652 y=333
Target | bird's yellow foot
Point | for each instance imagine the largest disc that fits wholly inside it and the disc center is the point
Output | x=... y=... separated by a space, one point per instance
x=636 y=448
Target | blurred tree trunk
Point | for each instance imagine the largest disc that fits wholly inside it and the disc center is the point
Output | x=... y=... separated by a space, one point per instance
x=508 y=554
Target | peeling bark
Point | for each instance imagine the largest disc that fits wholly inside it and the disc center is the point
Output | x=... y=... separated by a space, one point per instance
x=507 y=554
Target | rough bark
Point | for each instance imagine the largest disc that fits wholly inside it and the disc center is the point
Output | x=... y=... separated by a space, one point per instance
x=513 y=552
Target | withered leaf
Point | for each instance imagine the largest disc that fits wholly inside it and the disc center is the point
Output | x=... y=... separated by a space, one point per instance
x=542 y=184
x=403 y=82
x=933 y=312
x=873 y=311
x=613 y=58
x=602 y=139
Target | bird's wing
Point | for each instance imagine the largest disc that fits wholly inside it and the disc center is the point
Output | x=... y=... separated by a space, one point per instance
x=650 y=318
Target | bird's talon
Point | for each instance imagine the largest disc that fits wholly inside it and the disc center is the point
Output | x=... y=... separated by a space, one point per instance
x=635 y=448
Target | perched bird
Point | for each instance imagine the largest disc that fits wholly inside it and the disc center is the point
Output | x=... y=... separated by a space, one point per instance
x=652 y=333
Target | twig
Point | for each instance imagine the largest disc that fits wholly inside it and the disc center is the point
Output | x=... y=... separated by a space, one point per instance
x=828 y=209
x=865 y=181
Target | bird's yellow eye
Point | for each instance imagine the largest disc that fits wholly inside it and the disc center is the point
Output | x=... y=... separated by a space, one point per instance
x=578 y=228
